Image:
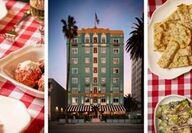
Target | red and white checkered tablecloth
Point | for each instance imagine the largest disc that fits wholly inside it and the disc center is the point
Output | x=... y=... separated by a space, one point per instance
x=28 y=33
x=158 y=87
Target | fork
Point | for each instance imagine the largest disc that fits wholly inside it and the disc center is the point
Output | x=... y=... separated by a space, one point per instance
x=12 y=34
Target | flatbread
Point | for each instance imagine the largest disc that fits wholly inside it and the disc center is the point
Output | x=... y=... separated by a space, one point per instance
x=173 y=38
x=164 y=32
x=169 y=54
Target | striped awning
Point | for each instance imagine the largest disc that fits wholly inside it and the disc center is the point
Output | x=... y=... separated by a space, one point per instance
x=112 y=108
x=88 y=108
x=79 y=108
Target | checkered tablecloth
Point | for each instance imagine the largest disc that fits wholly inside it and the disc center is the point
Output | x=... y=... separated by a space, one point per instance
x=28 y=33
x=158 y=87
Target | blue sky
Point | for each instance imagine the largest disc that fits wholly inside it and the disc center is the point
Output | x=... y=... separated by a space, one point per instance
x=113 y=14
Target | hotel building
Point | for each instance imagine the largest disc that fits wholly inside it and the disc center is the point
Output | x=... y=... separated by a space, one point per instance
x=96 y=71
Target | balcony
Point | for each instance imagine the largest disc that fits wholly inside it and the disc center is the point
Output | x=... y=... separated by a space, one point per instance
x=74 y=43
x=116 y=43
x=87 y=83
x=103 y=83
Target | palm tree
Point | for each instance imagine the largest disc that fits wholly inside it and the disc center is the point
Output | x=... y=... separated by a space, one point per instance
x=70 y=31
x=130 y=103
x=135 y=46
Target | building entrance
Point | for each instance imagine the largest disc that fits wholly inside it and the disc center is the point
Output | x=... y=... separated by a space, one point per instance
x=95 y=111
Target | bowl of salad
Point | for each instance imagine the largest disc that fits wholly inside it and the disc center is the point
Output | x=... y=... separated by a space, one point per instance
x=173 y=114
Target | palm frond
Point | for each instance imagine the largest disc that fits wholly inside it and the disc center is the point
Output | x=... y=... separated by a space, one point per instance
x=69 y=27
x=134 y=45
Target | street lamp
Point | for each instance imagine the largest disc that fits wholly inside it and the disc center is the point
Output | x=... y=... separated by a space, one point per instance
x=61 y=110
x=57 y=111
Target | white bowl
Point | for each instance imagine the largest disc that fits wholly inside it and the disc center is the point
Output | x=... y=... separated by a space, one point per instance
x=10 y=62
x=3 y=9
x=13 y=115
x=160 y=14
x=166 y=100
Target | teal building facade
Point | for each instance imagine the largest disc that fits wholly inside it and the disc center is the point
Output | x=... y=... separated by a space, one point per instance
x=96 y=68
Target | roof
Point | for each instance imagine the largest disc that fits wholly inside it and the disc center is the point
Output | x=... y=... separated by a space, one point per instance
x=100 y=30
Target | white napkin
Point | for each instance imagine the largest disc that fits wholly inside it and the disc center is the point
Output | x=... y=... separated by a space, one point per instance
x=3 y=10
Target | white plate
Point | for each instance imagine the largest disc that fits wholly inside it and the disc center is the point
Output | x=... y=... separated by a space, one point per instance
x=3 y=9
x=160 y=14
x=10 y=62
x=166 y=100
x=13 y=115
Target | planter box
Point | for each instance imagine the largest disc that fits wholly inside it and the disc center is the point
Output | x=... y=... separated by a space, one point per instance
x=70 y=120
x=74 y=121
x=127 y=121
x=115 y=120
x=80 y=120
x=121 y=121
x=62 y=121
x=109 y=121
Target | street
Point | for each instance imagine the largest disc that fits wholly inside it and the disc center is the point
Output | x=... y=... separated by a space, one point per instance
x=95 y=128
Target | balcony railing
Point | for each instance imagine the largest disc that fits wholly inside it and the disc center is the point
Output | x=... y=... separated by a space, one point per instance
x=116 y=43
x=74 y=43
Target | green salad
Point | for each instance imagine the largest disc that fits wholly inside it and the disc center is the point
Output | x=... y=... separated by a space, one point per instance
x=175 y=117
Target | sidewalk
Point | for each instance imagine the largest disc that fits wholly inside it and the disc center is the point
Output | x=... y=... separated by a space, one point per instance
x=96 y=124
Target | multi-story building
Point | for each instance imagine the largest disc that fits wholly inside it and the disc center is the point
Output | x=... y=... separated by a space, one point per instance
x=136 y=79
x=96 y=70
x=57 y=99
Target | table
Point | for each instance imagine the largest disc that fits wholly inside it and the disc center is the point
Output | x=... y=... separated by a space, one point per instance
x=158 y=87
x=28 y=33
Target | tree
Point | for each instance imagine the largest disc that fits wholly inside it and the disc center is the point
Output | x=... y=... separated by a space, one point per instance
x=130 y=103
x=135 y=46
x=70 y=31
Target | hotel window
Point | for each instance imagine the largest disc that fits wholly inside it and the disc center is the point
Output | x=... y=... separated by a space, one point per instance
x=74 y=50
x=95 y=80
x=87 y=50
x=95 y=39
x=115 y=60
x=74 y=41
x=115 y=100
x=87 y=80
x=94 y=100
x=103 y=60
x=87 y=100
x=94 y=50
x=103 y=70
x=103 y=40
x=74 y=80
x=74 y=90
x=95 y=69
x=115 y=80
x=116 y=50
x=103 y=100
x=74 y=70
x=87 y=89
x=95 y=59
x=116 y=41
x=103 y=89
x=87 y=70
x=74 y=100
x=74 y=60
x=87 y=40
x=115 y=70
x=116 y=89
x=103 y=50
x=95 y=89
x=103 y=80
x=87 y=60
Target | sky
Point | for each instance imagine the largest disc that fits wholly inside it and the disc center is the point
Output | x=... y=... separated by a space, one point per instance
x=113 y=14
